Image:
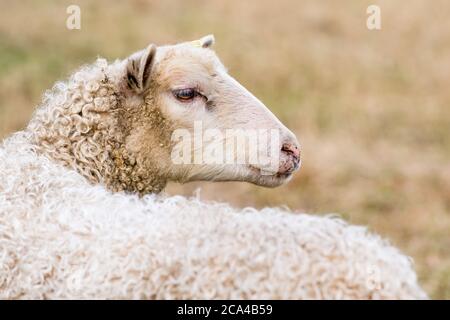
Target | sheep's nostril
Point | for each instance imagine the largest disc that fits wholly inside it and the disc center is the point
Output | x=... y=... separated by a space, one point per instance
x=292 y=150
x=292 y=162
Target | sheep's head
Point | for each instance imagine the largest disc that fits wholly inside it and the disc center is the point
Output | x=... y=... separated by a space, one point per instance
x=165 y=113
x=209 y=127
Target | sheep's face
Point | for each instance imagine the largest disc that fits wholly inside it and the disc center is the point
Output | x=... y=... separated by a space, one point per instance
x=199 y=123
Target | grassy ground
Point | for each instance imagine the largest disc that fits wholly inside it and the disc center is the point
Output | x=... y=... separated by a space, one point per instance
x=371 y=108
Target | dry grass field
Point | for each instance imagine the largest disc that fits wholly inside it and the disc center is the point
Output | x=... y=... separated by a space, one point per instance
x=371 y=108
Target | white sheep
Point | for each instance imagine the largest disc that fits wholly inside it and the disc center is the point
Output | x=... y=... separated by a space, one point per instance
x=81 y=217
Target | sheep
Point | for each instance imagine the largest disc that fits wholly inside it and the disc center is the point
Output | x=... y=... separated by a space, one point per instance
x=82 y=214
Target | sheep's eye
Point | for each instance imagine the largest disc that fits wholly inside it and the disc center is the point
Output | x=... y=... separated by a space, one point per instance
x=185 y=94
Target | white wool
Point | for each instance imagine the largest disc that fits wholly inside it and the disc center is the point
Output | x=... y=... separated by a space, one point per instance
x=61 y=237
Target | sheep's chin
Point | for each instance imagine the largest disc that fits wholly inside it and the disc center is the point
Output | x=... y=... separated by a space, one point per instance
x=243 y=173
x=265 y=179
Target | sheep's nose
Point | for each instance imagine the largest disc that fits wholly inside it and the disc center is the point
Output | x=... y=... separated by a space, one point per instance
x=291 y=149
x=292 y=159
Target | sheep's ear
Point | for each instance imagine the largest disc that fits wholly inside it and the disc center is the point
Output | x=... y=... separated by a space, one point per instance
x=205 y=42
x=138 y=69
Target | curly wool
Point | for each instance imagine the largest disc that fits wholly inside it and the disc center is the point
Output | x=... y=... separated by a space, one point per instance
x=80 y=126
x=62 y=237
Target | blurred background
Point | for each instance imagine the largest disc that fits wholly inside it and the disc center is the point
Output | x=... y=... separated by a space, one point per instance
x=370 y=108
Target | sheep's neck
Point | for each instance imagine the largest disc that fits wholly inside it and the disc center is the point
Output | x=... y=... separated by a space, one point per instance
x=103 y=153
x=139 y=161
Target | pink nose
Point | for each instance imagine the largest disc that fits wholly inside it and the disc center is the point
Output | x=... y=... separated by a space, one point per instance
x=291 y=149
x=293 y=158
